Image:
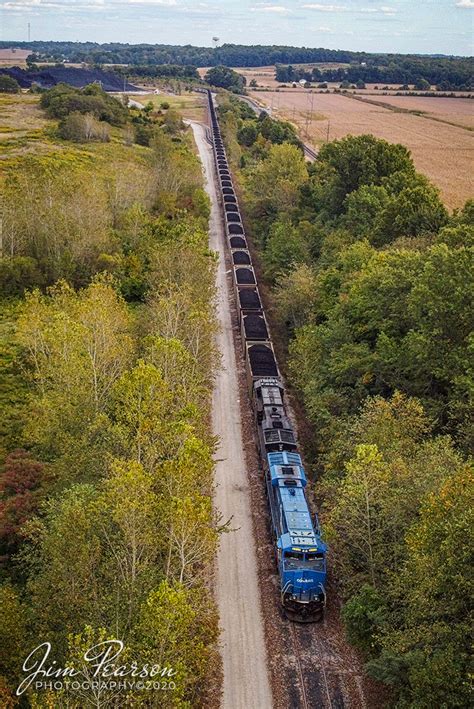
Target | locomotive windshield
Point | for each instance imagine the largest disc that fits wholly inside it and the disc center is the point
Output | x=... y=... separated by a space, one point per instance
x=315 y=561
x=308 y=560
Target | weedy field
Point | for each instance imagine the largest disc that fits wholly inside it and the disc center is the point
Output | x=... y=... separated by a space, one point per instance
x=190 y=106
x=22 y=123
x=442 y=151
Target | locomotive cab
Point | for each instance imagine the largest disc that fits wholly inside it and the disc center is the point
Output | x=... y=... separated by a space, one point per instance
x=303 y=577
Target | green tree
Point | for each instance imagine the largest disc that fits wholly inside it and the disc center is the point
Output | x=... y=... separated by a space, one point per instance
x=84 y=128
x=247 y=134
x=295 y=296
x=345 y=165
x=13 y=637
x=284 y=248
x=415 y=210
x=274 y=183
x=67 y=587
x=426 y=657
x=78 y=345
x=226 y=78
x=9 y=85
x=177 y=630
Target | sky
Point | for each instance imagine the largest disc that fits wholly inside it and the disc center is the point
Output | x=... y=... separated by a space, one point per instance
x=421 y=26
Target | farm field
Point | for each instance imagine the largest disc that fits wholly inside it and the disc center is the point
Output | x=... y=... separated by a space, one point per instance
x=443 y=152
x=460 y=111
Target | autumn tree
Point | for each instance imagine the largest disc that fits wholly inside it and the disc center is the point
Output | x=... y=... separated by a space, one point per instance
x=273 y=184
x=426 y=655
x=22 y=481
x=78 y=345
x=177 y=630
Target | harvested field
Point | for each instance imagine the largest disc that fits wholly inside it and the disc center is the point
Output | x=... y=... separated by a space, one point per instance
x=452 y=110
x=443 y=152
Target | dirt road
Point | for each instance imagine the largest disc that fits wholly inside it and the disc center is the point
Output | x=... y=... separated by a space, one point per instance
x=246 y=683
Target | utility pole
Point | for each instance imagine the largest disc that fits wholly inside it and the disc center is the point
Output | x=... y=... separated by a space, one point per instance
x=327 y=136
x=309 y=114
x=29 y=32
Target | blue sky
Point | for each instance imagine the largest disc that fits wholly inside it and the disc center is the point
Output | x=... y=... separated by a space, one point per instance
x=424 y=26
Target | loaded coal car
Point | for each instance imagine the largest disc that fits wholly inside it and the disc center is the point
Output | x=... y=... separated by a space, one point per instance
x=248 y=298
x=300 y=551
x=253 y=326
x=240 y=257
x=260 y=361
x=237 y=242
x=244 y=276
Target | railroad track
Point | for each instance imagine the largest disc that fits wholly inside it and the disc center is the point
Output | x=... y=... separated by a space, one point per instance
x=319 y=691
x=312 y=671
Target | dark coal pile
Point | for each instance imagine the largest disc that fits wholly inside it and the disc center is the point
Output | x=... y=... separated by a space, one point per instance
x=235 y=229
x=50 y=76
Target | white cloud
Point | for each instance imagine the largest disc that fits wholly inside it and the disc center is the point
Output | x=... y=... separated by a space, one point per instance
x=325 y=8
x=465 y=4
x=384 y=10
x=167 y=3
x=78 y=4
x=271 y=8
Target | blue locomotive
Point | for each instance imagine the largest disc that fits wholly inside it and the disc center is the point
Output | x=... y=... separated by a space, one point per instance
x=301 y=554
x=299 y=549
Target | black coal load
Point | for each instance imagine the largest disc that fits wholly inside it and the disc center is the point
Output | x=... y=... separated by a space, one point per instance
x=262 y=361
x=255 y=327
x=241 y=258
x=249 y=299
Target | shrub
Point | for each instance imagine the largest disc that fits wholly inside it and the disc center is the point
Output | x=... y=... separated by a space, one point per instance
x=8 y=85
x=63 y=99
x=84 y=129
x=18 y=273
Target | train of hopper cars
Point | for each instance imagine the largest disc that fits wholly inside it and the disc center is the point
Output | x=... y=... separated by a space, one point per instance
x=300 y=551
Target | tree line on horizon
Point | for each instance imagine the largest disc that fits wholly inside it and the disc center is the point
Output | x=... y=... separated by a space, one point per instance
x=388 y=68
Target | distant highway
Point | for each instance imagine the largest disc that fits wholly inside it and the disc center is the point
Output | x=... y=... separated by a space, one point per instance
x=309 y=152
